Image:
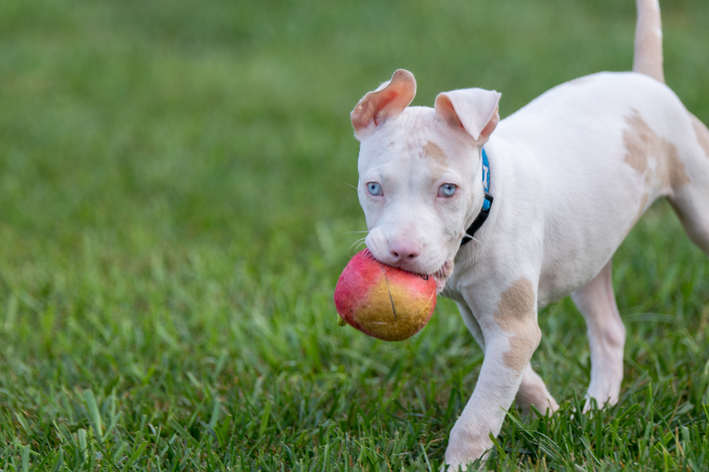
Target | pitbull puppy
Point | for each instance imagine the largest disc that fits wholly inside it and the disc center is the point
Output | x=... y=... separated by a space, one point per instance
x=570 y=173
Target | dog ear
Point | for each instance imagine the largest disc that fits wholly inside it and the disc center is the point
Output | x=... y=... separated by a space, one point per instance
x=473 y=110
x=387 y=101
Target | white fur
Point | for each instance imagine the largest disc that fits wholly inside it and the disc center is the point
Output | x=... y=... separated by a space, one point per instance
x=565 y=197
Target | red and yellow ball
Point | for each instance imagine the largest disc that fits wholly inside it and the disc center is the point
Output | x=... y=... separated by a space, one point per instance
x=383 y=301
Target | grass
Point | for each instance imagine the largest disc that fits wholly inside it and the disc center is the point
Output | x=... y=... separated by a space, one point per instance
x=174 y=215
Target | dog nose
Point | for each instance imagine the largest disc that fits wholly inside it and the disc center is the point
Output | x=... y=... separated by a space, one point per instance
x=404 y=251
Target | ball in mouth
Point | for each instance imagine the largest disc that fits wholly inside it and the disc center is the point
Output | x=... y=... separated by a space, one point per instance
x=383 y=301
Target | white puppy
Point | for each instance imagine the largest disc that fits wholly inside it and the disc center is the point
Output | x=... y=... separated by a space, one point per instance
x=570 y=173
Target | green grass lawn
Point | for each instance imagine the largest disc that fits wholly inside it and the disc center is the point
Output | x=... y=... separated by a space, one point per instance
x=175 y=210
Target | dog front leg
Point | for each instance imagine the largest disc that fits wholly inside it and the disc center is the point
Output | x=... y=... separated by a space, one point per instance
x=532 y=390
x=511 y=336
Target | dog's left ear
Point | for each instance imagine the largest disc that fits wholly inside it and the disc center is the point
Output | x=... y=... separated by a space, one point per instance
x=473 y=110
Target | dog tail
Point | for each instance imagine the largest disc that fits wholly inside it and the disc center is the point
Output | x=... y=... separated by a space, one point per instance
x=648 y=40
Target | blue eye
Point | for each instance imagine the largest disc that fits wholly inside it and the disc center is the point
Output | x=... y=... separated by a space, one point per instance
x=374 y=189
x=447 y=190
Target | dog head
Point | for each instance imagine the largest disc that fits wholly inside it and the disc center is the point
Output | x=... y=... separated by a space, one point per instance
x=420 y=183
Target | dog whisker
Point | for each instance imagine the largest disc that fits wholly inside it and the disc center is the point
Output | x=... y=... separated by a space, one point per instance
x=358 y=242
x=471 y=237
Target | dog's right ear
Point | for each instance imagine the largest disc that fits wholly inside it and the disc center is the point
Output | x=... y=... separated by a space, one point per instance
x=472 y=110
x=386 y=102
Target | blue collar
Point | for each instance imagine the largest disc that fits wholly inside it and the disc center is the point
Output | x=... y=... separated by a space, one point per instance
x=487 y=203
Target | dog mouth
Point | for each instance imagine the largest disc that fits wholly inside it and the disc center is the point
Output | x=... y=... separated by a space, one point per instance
x=441 y=275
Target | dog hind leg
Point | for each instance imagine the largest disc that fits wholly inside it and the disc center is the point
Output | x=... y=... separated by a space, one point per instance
x=532 y=391
x=691 y=201
x=606 y=335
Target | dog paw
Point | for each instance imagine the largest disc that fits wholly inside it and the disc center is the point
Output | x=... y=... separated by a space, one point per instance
x=465 y=452
x=593 y=403
x=468 y=465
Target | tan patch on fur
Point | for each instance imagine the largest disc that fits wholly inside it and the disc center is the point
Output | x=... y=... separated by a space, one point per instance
x=433 y=151
x=673 y=172
x=638 y=142
x=702 y=133
x=642 y=145
x=516 y=315
x=521 y=349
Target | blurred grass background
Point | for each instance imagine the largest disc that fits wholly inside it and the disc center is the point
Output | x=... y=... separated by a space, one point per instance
x=174 y=213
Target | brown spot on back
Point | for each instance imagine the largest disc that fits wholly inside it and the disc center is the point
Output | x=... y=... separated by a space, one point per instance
x=643 y=145
x=516 y=315
x=638 y=142
x=702 y=133
x=673 y=171
x=434 y=151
